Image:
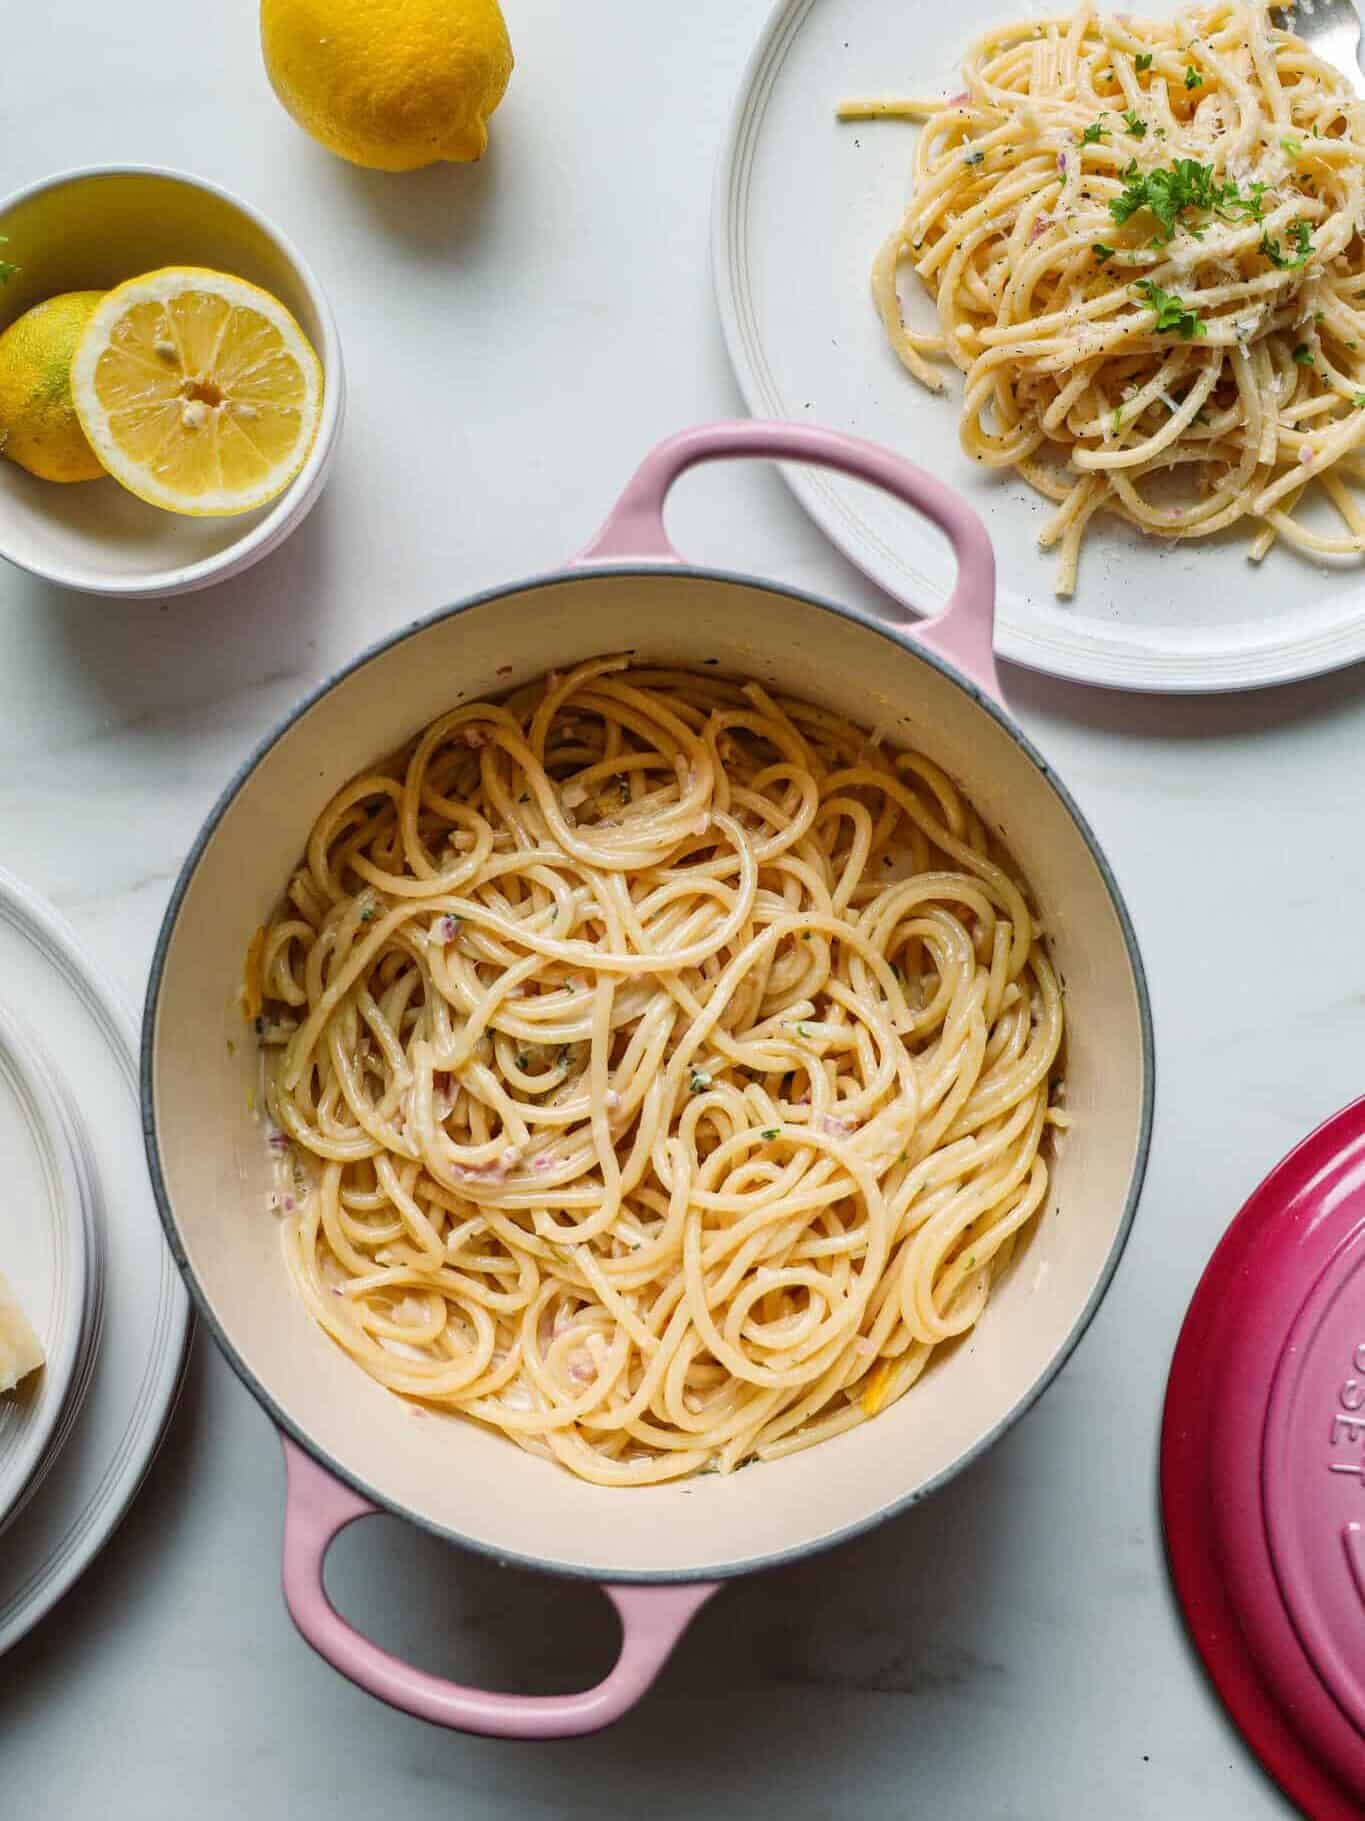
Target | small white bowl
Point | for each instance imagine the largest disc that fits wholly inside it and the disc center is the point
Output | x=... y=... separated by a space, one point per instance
x=89 y=230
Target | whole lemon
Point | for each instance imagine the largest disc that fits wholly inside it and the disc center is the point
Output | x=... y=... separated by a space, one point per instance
x=39 y=428
x=392 y=84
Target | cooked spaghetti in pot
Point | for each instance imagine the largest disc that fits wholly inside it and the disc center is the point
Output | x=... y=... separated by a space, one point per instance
x=1143 y=240
x=660 y=1069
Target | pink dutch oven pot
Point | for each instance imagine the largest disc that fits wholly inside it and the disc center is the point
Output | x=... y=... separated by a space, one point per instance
x=351 y=1448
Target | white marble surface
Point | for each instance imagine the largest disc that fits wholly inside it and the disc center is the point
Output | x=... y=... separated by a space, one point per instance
x=518 y=334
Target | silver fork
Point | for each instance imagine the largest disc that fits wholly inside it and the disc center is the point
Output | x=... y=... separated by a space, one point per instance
x=1331 y=30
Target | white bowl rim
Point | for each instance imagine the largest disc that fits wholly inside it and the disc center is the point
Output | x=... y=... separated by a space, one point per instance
x=285 y=1423
x=263 y=535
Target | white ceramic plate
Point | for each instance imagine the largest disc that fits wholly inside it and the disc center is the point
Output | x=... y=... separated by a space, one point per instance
x=801 y=204
x=51 y=988
x=50 y=1254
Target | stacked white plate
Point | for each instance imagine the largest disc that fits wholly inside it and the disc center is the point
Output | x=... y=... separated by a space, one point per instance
x=82 y=1247
x=51 y=1253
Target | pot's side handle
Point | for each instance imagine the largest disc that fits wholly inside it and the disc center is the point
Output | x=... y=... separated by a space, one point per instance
x=318 y=1507
x=961 y=633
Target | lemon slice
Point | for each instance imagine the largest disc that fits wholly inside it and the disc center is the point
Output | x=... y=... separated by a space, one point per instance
x=197 y=391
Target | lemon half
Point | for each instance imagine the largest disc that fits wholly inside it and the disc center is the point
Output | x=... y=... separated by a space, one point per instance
x=197 y=391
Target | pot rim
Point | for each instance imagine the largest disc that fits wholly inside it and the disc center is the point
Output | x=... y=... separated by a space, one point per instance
x=281 y=1417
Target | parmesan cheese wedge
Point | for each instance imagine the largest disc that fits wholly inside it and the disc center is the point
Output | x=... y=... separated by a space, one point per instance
x=21 y=1351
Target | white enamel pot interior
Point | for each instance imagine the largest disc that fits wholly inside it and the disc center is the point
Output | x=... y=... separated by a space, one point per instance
x=356 y=1445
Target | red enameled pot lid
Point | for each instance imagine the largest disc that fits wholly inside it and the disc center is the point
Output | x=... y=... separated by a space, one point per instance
x=1263 y=1470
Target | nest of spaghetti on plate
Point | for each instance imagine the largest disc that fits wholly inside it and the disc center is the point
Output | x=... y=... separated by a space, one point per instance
x=1142 y=238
